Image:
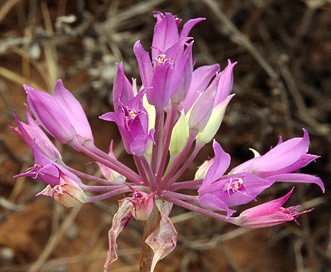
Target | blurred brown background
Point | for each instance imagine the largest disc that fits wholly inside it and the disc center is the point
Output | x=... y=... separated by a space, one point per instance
x=282 y=84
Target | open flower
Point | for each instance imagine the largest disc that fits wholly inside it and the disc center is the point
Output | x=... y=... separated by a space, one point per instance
x=246 y=181
x=219 y=192
x=130 y=116
x=279 y=163
x=169 y=72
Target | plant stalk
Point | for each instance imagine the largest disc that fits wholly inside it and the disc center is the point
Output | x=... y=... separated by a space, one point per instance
x=147 y=253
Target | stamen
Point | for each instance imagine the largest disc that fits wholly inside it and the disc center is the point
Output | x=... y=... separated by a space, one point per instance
x=234 y=185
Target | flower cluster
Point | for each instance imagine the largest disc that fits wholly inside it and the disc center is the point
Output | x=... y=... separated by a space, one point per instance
x=164 y=123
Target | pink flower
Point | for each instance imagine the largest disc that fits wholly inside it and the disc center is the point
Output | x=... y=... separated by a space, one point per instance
x=279 y=163
x=168 y=73
x=130 y=116
x=219 y=192
x=269 y=214
x=61 y=115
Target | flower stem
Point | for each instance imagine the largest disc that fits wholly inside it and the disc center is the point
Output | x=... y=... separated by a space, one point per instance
x=147 y=253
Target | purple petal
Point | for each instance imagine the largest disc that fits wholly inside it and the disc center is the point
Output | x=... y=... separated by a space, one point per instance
x=122 y=90
x=299 y=178
x=221 y=163
x=31 y=133
x=159 y=96
x=212 y=202
x=144 y=64
x=74 y=111
x=282 y=155
x=50 y=115
x=248 y=189
x=201 y=77
x=225 y=83
x=165 y=34
x=188 y=26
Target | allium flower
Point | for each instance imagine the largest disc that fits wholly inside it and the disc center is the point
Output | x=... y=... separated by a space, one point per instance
x=279 y=163
x=61 y=115
x=130 y=116
x=268 y=214
x=164 y=123
x=218 y=192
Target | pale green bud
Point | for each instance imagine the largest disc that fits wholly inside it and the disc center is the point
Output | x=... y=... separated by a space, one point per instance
x=214 y=122
x=179 y=136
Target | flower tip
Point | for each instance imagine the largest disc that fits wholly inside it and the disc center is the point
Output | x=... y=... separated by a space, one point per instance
x=232 y=63
x=59 y=84
x=27 y=88
x=305 y=135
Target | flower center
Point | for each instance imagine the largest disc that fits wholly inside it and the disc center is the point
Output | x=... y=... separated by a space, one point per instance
x=161 y=59
x=234 y=185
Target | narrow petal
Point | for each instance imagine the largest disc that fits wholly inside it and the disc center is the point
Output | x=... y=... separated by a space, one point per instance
x=201 y=77
x=225 y=83
x=165 y=34
x=122 y=90
x=159 y=96
x=268 y=214
x=31 y=133
x=214 y=203
x=220 y=164
x=299 y=178
x=283 y=154
x=144 y=64
x=74 y=111
x=214 y=121
x=188 y=26
x=202 y=109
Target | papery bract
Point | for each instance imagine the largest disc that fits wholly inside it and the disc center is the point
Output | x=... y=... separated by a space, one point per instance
x=164 y=239
x=143 y=204
x=67 y=192
x=120 y=220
